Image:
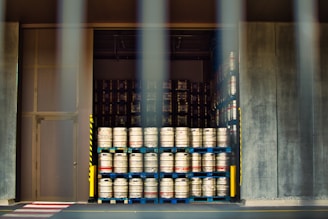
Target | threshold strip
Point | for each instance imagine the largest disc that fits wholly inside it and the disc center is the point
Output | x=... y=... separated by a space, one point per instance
x=37 y=210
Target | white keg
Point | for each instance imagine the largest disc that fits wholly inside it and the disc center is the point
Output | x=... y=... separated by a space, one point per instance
x=151 y=137
x=105 y=188
x=223 y=137
x=196 y=137
x=234 y=110
x=120 y=188
x=209 y=137
x=135 y=137
x=181 y=188
x=222 y=186
x=208 y=162
x=166 y=162
x=136 y=162
x=196 y=162
x=150 y=163
x=166 y=188
x=120 y=137
x=222 y=162
x=182 y=137
x=150 y=188
x=182 y=162
x=105 y=137
x=208 y=187
x=196 y=187
x=167 y=137
x=135 y=188
x=120 y=163
x=105 y=163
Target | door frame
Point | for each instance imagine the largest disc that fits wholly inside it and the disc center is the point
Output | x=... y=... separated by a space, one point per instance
x=36 y=152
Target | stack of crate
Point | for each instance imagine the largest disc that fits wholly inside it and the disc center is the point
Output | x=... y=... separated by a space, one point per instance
x=135 y=106
x=150 y=103
x=207 y=103
x=121 y=98
x=182 y=103
x=103 y=103
x=196 y=106
x=167 y=105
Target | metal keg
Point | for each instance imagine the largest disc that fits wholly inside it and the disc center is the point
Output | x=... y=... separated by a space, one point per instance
x=196 y=137
x=120 y=137
x=105 y=163
x=120 y=163
x=151 y=188
x=120 y=188
x=181 y=188
x=135 y=188
x=166 y=162
x=196 y=162
x=166 y=188
x=223 y=137
x=196 y=187
x=151 y=137
x=208 y=162
x=105 y=188
x=209 y=137
x=222 y=186
x=208 y=187
x=167 y=137
x=150 y=163
x=182 y=162
x=105 y=137
x=136 y=162
x=135 y=137
x=222 y=162
x=182 y=137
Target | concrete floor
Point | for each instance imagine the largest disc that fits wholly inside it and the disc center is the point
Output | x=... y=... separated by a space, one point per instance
x=175 y=211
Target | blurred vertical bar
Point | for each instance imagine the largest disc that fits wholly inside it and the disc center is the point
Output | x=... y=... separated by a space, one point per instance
x=2 y=17
x=70 y=37
x=229 y=14
x=152 y=63
x=307 y=61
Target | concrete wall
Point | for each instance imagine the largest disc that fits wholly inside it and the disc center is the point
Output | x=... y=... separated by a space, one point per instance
x=9 y=42
x=281 y=160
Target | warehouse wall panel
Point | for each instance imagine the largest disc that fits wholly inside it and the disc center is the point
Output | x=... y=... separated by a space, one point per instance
x=9 y=41
x=258 y=105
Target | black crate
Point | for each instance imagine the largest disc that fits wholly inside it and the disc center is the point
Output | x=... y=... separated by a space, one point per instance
x=196 y=99
x=196 y=122
x=167 y=107
x=167 y=120
x=182 y=85
x=136 y=85
x=168 y=96
x=150 y=119
x=136 y=96
x=136 y=107
x=121 y=85
x=196 y=110
x=135 y=120
x=150 y=85
x=168 y=85
x=151 y=106
x=182 y=96
x=121 y=121
x=121 y=96
x=120 y=109
x=196 y=88
x=183 y=108
x=103 y=121
x=182 y=121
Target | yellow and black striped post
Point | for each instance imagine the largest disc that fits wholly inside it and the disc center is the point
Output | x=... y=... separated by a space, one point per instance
x=92 y=167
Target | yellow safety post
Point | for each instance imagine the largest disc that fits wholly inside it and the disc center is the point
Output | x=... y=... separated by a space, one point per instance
x=92 y=168
x=233 y=181
x=240 y=148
